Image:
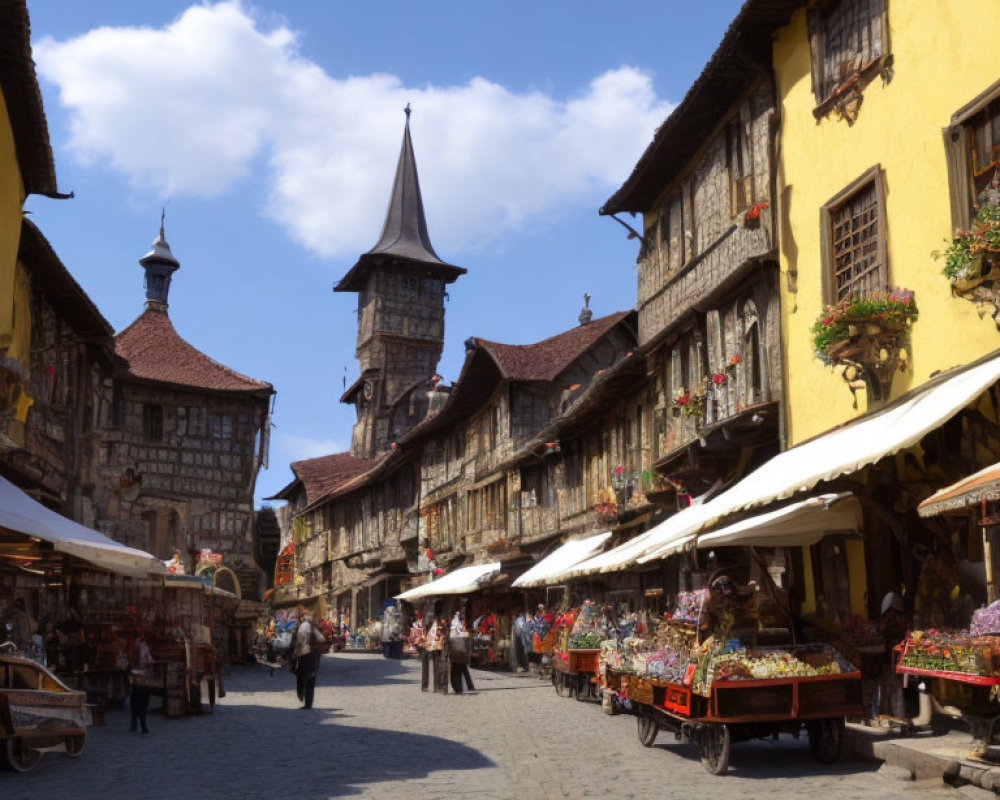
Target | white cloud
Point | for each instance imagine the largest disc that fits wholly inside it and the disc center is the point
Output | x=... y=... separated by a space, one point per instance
x=213 y=98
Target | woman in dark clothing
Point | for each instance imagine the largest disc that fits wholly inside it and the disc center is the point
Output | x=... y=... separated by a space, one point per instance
x=139 y=691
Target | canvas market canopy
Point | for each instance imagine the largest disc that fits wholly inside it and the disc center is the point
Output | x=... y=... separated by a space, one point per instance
x=462 y=581
x=970 y=491
x=551 y=568
x=797 y=525
x=842 y=451
x=22 y=514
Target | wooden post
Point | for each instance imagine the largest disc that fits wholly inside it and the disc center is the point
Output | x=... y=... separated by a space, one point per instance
x=991 y=591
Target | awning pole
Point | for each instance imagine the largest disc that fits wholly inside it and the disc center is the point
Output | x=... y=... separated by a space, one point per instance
x=991 y=592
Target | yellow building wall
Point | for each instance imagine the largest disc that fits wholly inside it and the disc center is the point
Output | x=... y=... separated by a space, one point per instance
x=944 y=54
x=11 y=201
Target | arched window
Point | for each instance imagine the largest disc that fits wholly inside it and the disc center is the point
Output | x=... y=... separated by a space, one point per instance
x=753 y=354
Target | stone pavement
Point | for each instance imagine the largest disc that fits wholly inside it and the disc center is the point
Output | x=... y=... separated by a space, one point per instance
x=373 y=734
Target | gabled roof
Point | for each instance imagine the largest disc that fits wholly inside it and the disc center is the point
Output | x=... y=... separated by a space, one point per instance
x=487 y=363
x=320 y=476
x=545 y=360
x=404 y=234
x=743 y=56
x=156 y=353
x=24 y=101
x=65 y=295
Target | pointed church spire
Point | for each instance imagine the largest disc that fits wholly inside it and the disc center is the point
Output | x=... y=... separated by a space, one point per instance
x=159 y=264
x=404 y=233
x=405 y=230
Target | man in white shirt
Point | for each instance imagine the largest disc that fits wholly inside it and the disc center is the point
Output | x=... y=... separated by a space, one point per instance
x=307 y=638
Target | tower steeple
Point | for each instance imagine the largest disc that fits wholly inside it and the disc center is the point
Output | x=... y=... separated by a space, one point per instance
x=401 y=287
x=159 y=264
x=404 y=233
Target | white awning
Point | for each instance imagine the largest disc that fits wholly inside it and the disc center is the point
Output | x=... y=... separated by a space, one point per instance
x=799 y=524
x=22 y=514
x=842 y=451
x=551 y=568
x=462 y=581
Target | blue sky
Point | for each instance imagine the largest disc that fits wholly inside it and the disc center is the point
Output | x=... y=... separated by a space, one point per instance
x=271 y=131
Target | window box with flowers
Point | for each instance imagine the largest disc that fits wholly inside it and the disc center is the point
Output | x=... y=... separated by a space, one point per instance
x=690 y=405
x=867 y=334
x=972 y=260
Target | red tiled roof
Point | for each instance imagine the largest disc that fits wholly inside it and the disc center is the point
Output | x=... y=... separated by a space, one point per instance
x=324 y=475
x=156 y=352
x=544 y=360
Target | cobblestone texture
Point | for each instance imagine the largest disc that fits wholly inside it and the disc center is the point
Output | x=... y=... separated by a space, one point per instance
x=373 y=734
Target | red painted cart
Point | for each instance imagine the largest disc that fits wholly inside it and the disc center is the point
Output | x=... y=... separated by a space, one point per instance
x=972 y=695
x=577 y=674
x=740 y=710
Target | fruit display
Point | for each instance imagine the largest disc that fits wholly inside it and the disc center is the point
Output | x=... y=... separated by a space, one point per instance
x=586 y=641
x=953 y=651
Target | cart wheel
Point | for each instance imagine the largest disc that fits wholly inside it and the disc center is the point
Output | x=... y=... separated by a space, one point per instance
x=557 y=681
x=648 y=728
x=825 y=739
x=715 y=749
x=582 y=687
x=19 y=756
x=75 y=745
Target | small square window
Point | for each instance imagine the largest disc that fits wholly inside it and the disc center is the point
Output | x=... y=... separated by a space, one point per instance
x=408 y=285
x=152 y=423
x=220 y=426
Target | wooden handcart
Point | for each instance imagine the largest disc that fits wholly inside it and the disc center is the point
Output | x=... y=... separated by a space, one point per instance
x=740 y=710
x=38 y=712
x=576 y=676
x=972 y=695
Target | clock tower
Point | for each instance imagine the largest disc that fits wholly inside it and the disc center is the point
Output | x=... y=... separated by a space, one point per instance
x=400 y=284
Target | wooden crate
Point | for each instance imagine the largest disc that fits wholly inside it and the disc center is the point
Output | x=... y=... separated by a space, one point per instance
x=583 y=660
x=640 y=690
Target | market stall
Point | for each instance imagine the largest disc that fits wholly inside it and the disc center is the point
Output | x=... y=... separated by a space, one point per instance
x=960 y=666
x=702 y=676
x=725 y=665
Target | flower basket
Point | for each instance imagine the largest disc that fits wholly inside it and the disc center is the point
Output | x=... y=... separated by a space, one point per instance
x=867 y=333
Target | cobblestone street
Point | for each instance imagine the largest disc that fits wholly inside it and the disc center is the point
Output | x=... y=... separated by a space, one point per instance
x=373 y=734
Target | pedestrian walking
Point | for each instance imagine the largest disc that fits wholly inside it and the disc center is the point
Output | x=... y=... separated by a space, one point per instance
x=139 y=691
x=437 y=646
x=308 y=639
x=459 y=652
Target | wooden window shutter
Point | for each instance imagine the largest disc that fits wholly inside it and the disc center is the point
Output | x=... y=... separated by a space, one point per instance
x=957 y=157
x=716 y=357
x=677 y=382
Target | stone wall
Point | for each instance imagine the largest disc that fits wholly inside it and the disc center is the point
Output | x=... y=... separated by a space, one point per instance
x=191 y=489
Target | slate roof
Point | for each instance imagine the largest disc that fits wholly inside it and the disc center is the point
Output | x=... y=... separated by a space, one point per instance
x=544 y=360
x=24 y=101
x=156 y=353
x=321 y=476
x=404 y=236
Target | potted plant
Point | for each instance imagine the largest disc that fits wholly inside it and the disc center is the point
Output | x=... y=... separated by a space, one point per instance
x=972 y=254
